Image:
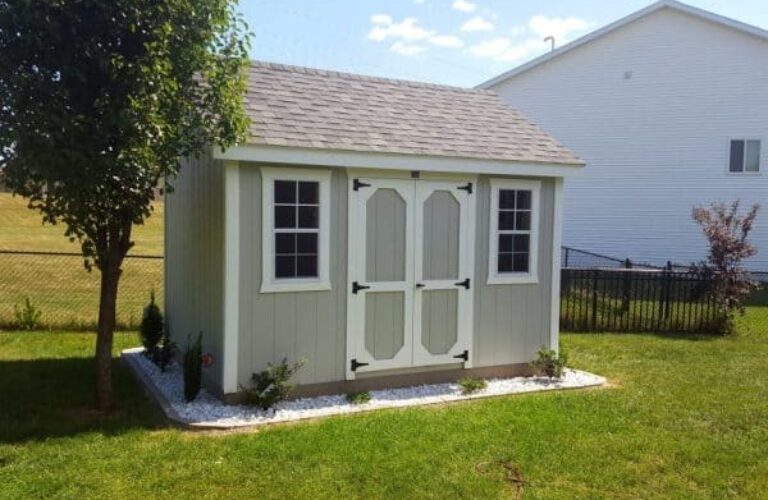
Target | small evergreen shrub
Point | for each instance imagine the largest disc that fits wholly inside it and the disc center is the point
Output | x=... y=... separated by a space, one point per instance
x=358 y=398
x=273 y=384
x=151 y=330
x=193 y=368
x=165 y=353
x=471 y=385
x=28 y=316
x=549 y=363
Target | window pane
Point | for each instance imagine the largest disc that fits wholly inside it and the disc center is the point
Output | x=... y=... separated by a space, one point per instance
x=285 y=216
x=285 y=191
x=520 y=264
x=306 y=266
x=285 y=266
x=523 y=200
x=737 y=156
x=523 y=221
x=506 y=219
x=285 y=243
x=308 y=192
x=308 y=217
x=505 y=263
x=522 y=242
x=306 y=243
x=506 y=242
x=752 y=159
x=506 y=198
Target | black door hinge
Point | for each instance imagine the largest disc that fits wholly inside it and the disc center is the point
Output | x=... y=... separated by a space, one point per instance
x=355 y=364
x=356 y=287
x=357 y=184
x=464 y=283
x=464 y=355
x=467 y=188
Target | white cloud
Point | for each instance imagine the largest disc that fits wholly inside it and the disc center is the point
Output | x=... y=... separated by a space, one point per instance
x=510 y=50
x=464 y=5
x=407 y=49
x=478 y=23
x=408 y=37
x=407 y=29
x=449 y=41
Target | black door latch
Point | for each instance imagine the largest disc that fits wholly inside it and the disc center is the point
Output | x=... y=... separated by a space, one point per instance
x=467 y=188
x=355 y=364
x=464 y=283
x=357 y=184
x=356 y=287
x=464 y=355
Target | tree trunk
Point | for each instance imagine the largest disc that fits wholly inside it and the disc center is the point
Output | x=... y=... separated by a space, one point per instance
x=110 y=277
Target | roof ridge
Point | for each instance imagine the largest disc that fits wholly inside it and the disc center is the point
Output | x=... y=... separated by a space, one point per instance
x=364 y=78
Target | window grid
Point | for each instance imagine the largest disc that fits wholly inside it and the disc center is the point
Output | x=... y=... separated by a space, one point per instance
x=514 y=231
x=296 y=228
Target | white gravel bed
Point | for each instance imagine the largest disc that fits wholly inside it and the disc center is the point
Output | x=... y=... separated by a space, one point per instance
x=207 y=411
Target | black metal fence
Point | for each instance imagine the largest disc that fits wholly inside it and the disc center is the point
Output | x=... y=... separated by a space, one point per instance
x=63 y=295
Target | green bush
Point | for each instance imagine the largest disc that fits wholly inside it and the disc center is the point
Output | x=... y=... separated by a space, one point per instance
x=470 y=385
x=358 y=398
x=151 y=330
x=193 y=368
x=549 y=363
x=165 y=353
x=272 y=385
x=28 y=316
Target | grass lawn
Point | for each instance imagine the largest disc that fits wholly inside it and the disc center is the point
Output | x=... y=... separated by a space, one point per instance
x=687 y=418
x=59 y=286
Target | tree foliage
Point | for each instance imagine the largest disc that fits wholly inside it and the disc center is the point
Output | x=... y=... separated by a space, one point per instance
x=99 y=99
x=727 y=234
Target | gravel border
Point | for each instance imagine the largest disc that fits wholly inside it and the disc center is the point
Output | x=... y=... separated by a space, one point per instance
x=208 y=412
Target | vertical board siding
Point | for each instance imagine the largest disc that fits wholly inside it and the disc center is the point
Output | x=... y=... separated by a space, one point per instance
x=651 y=108
x=194 y=257
x=511 y=321
x=385 y=241
x=441 y=236
x=292 y=325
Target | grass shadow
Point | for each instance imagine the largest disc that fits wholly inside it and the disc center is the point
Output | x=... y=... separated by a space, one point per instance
x=48 y=398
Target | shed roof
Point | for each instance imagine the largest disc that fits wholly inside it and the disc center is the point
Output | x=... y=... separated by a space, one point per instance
x=310 y=108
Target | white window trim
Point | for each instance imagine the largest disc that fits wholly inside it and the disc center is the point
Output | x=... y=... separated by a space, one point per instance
x=532 y=276
x=744 y=159
x=270 y=284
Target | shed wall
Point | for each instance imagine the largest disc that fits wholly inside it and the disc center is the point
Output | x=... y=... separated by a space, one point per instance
x=194 y=257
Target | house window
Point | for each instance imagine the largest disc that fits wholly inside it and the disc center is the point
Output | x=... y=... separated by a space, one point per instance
x=296 y=229
x=514 y=221
x=744 y=156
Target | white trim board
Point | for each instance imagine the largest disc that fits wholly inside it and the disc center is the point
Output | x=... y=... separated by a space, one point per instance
x=231 y=276
x=663 y=4
x=392 y=161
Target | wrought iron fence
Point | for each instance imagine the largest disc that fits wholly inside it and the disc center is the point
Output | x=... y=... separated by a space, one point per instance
x=66 y=296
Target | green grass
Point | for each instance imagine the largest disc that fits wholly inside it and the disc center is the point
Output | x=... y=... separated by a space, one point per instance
x=65 y=294
x=687 y=417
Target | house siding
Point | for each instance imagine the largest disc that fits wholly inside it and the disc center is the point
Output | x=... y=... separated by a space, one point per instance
x=651 y=107
x=194 y=258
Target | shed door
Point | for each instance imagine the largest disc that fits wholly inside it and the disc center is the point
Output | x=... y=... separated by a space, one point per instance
x=444 y=271
x=382 y=288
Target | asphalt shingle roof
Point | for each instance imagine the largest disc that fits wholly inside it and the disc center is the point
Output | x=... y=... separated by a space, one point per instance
x=310 y=108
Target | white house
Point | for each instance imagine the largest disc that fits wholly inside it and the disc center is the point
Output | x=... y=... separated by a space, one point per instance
x=669 y=108
x=387 y=232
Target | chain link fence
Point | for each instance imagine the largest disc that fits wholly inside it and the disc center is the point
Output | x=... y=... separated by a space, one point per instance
x=55 y=290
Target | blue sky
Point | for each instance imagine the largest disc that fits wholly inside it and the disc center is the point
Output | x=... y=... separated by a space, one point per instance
x=455 y=42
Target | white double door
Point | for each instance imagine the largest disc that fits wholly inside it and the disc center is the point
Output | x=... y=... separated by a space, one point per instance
x=411 y=270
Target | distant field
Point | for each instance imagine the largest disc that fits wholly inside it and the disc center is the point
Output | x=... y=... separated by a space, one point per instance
x=65 y=293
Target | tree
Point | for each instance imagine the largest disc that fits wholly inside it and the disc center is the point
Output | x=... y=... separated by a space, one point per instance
x=99 y=100
x=726 y=232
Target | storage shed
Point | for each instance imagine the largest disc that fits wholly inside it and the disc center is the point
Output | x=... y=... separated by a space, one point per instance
x=388 y=232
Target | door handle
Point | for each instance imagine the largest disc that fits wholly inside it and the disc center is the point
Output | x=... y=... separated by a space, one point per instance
x=420 y=285
x=356 y=287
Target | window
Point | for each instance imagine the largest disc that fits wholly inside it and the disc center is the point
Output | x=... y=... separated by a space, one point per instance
x=296 y=232
x=514 y=223
x=744 y=156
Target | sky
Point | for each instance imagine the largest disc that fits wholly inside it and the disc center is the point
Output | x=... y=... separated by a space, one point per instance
x=453 y=42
